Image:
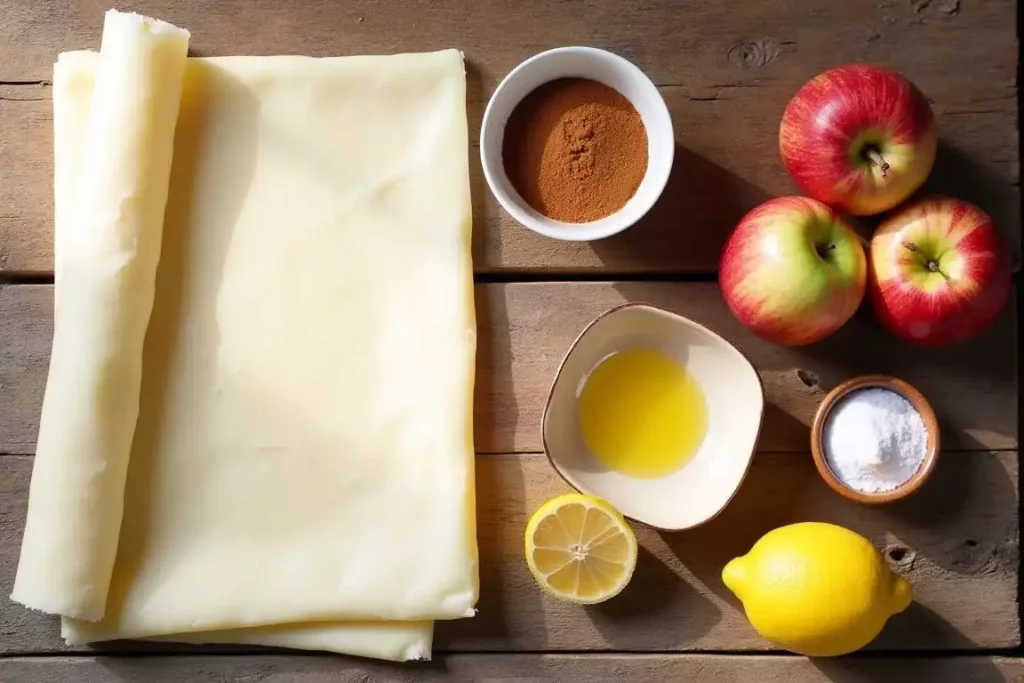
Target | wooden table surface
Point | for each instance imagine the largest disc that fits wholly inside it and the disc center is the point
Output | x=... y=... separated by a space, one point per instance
x=726 y=72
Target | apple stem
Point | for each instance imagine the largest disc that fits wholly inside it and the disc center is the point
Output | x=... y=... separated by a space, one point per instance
x=931 y=264
x=875 y=157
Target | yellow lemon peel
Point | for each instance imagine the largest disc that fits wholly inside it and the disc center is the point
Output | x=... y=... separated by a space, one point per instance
x=817 y=589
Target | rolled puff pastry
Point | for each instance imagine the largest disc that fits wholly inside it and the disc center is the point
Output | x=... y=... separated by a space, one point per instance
x=109 y=254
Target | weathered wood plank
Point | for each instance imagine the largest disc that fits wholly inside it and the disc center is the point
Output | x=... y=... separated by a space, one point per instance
x=526 y=328
x=26 y=329
x=524 y=668
x=957 y=541
x=673 y=46
x=726 y=77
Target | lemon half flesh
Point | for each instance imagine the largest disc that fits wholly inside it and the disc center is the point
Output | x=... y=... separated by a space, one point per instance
x=580 y=549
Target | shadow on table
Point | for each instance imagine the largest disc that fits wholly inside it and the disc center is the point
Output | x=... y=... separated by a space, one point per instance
x=899 y=668
x=916 y=625
x=962 y=523
x=499 y=621
x=688 y=225
x=494 y=397
x=778 y=427
x=652 y=604
x=962 y=481
x=495 y=405
x=958 y=175
x=305 y=667
x=983 y=366
x=985 y=362
x=772 y=495
x=476 y=100
x=882 y=670
x=499 y=489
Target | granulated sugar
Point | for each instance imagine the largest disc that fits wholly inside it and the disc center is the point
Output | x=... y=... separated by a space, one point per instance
x=874 y=440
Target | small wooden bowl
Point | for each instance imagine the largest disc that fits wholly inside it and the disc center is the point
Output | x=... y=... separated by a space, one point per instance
x=931 y=454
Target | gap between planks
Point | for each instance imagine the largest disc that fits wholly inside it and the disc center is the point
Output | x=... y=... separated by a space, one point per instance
x=638 y=655
x=525 y=329
x=526 y=668
x=505 y=276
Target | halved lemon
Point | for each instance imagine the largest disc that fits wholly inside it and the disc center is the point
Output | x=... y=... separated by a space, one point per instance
x=580 y=549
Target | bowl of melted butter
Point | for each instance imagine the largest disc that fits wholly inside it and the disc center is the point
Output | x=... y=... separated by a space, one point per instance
x=656 y=414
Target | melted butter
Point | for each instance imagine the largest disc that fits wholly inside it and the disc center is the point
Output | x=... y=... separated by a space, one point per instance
x=642 y=414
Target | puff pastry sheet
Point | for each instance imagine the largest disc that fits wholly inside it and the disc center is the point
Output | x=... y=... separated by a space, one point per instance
x=301 y=468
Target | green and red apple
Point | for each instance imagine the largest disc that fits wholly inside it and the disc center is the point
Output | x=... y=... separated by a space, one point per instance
x=793 y=270
x=939 y=272
x=859 y=137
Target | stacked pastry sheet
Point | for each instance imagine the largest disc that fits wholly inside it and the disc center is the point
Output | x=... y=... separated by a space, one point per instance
x=257 y=422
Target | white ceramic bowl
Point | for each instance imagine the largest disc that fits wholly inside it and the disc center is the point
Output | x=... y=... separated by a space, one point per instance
x=732 y=391
x=597 y=65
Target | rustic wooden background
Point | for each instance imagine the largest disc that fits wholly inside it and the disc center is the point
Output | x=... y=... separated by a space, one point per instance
x=726 y=72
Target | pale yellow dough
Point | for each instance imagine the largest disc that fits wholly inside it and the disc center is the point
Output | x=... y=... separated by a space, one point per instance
x=303 y=450
x=393 y=640
x=109 y=252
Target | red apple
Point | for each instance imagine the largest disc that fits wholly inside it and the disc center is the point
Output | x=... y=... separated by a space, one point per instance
x=939 y=272
x=858 y=137
x=793 y=270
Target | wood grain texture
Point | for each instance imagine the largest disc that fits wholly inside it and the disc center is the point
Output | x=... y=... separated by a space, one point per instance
x=26 y=330
x=525 y=668
x=525 y=329
x=956 y=540
x=726 y=77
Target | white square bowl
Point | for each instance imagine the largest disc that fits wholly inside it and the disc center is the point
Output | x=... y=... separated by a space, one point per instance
x=732 y=390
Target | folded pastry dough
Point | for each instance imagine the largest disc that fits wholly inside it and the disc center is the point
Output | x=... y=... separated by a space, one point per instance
x=393 y=640
x=109 y=262
x=303 y=451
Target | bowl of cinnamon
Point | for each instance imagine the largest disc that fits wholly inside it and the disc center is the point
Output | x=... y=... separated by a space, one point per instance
x=577 y=143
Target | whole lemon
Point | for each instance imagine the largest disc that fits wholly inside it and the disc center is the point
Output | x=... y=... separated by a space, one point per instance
x=816 y=589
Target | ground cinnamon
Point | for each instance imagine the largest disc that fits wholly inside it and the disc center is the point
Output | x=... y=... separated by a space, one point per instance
x=575 y=150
